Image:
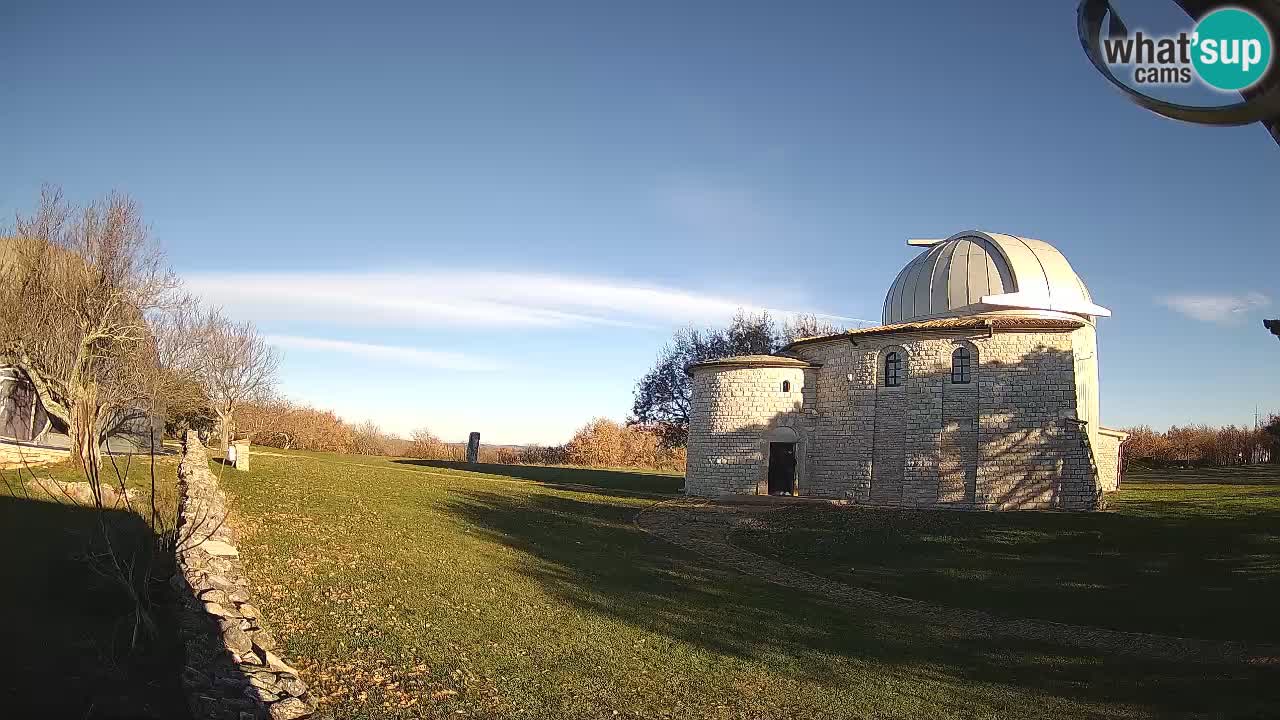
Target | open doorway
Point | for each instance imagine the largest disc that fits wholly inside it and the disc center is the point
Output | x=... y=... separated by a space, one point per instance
x=782 y=468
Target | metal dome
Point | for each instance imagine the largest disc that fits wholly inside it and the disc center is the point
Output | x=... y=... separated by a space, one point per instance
x=974 y=272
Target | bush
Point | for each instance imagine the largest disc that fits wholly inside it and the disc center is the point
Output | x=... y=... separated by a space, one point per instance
x=290 y=426
x=604 y=443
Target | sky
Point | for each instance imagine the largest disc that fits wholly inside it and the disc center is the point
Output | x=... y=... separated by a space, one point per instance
x=491 y=216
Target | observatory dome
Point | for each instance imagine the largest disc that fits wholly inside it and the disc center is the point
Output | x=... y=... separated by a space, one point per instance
x=975 y=272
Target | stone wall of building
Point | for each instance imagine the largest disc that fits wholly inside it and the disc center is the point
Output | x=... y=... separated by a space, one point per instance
x=1107 y=452
x=233 y=671
x=1008 y=439
x=1032 y=454
x=734 y=409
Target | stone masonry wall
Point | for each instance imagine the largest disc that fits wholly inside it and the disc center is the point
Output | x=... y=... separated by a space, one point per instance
x=734 y=408
x=1006 y=440
x=16 y=455
x=232 y=670
x=1108 y=454
x=1031 y=455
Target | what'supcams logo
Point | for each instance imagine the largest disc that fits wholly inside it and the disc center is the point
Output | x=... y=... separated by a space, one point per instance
x=1229 y=49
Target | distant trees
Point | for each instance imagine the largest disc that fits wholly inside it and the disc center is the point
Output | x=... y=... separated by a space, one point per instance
x=599 y=443
x=1204 y=445
x=663 y=395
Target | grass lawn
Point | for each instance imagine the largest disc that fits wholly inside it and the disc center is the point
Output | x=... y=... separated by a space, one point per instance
x=406 y=589
x=1194 y=553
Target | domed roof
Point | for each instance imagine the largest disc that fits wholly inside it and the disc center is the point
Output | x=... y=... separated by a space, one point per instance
x=974 y=272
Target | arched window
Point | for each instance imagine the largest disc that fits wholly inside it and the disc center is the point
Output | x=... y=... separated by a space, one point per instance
x=892 y=369
x=786 y=386
x=961 y=366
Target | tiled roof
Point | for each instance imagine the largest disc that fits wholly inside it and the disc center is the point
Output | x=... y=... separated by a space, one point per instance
x=753 y=361
x=998 y=322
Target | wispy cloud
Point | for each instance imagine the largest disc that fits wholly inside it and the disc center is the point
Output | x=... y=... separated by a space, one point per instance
x=1223 y=309
x=395 y=353
x=481 y=300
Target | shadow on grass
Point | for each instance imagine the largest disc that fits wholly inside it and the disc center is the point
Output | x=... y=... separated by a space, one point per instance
x=68 y=626
x=636 y=481
x=593 y=556
x=1261 y=473
x=1192 y=575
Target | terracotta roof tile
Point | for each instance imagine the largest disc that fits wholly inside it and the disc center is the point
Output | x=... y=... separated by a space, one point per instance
x=1009 y=322
x=753 y=361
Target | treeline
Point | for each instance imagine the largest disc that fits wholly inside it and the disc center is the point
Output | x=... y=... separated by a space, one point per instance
x=599 y=443
x=281 y=423
x=1204 y=445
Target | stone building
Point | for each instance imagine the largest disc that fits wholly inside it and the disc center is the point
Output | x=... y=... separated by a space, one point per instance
x=978 y=391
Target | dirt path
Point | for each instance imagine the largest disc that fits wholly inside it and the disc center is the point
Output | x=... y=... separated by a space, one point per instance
x=703 y=526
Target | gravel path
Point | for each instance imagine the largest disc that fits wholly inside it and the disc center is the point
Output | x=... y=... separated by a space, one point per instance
x=703 y=526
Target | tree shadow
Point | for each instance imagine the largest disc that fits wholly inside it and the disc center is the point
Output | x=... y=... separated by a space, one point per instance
x=69 y=620
x=593 y=556
x=554 y=475
x=1145 y=569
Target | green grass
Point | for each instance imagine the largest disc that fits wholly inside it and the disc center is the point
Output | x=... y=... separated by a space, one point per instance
x=413 y=590
x=1194 y=553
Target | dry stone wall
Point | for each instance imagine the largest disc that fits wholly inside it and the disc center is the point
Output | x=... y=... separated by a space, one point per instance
x=17 y=455
x=1010 y=438
x=233 y=671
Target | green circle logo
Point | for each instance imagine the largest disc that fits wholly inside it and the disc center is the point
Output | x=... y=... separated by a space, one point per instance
x=1232 y=49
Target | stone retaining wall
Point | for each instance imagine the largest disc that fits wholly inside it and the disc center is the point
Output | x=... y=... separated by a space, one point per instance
x=232 y=671
x=18 y=455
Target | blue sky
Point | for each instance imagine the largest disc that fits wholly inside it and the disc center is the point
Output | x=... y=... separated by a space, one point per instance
x=489 y=216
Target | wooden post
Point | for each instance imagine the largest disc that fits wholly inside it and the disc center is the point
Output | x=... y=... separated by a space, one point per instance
x=473 y=448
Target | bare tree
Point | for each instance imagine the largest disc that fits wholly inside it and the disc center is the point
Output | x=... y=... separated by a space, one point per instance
x=806 y=326
x=239 y=366
x=77 y=287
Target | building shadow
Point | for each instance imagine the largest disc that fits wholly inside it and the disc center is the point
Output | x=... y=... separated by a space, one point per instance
x=592 y=555
x=555 y=475
x=74 y=645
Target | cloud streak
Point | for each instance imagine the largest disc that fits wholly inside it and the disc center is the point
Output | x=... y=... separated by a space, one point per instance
x=462 y=299
x=1224 y=309
x=395 y=353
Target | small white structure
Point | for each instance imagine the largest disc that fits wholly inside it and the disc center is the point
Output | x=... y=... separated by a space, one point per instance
x=979 y=390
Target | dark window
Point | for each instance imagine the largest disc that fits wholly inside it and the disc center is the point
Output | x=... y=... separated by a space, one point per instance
x=786 y=386
x=961 y=366
x=892 y=369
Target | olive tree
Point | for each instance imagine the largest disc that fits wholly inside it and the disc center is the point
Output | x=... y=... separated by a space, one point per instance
x=77 y=286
